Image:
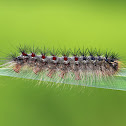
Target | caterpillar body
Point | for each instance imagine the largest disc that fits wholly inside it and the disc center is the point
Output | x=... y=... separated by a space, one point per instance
x=89 y=67
x=100 y=65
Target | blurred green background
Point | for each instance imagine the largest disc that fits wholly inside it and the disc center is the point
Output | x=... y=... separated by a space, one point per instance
x=92 y=23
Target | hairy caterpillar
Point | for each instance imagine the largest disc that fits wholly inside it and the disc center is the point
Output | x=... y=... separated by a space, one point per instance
x=85 y=66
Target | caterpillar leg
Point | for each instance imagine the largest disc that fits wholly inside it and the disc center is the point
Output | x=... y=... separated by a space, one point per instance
x=77 y=75
x=17 y=68
x=51 y=72
x=36 y=69
x=63 y=73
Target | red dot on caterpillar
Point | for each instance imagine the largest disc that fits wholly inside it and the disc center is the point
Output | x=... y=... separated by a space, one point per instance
x=54 y=57
x=65 y=58
x=76 y=58
x=43 y=56
x=33 y=55
x=24 y=54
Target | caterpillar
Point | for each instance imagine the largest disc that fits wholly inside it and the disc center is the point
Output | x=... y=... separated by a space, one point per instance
x=84 y=66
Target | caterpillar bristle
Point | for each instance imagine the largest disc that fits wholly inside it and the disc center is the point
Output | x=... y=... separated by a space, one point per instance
x=43 y=51
x=23 y=48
